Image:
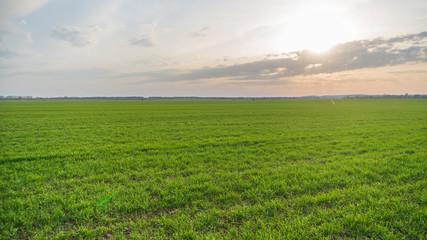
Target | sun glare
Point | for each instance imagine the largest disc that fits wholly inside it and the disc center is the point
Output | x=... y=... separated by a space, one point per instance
x=319 y=28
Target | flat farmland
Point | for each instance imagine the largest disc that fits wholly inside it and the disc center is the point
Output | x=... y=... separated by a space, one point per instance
x=289 y=169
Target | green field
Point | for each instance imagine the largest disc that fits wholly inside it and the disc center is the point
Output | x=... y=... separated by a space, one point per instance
x=213 y=169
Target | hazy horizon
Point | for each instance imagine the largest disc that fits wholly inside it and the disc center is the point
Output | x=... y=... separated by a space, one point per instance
x=327 y=96
x=212 y=49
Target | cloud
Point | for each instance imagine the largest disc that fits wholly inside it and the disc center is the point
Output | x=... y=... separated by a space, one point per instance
x=82 y=73
x=98 y=27
x=7 y=53
x=66 y=82
x=157 y=61
x=146 y=36
x=76 y=36
x=13 y=8
x=353 y=55
x=11 y=32
x=5 y=50
x=200 y=33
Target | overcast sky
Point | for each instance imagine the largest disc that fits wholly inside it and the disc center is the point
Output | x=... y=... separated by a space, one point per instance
x=212 y=48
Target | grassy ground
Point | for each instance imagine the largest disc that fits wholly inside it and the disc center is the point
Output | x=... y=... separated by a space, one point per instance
x=214 y=169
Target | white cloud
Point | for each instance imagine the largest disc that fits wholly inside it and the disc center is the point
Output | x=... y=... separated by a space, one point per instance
x=73 y=35
x=7 y=53
x=200 y=33
x=76 y=36
x=146 y=36
x=10 y=9
x=97 y=27
x=9 y=32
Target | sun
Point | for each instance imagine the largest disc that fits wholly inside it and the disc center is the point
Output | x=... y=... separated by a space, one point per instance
x=318 y=28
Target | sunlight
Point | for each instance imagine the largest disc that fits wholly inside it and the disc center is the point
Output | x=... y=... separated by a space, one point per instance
x=318 y=28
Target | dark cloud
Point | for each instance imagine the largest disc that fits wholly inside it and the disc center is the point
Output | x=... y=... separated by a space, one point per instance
x=347 y=56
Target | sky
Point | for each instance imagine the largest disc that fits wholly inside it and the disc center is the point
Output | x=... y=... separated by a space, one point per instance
x=222 y=48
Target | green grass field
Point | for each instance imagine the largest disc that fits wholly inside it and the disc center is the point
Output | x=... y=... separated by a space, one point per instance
x=299 y=169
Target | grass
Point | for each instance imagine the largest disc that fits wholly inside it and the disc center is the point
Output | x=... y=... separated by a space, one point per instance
x=213 y=169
